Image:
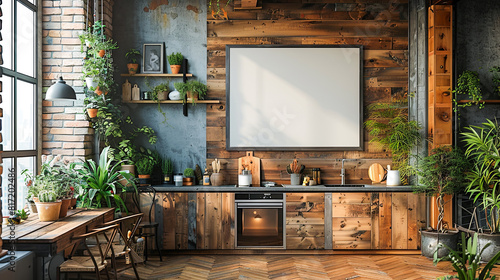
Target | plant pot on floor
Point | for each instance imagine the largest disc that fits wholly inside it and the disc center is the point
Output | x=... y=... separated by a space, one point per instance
x=65 y=203
x=492 y=249
x=48 y=211
x=430 y=240
x=132 y=68
x=175 y=69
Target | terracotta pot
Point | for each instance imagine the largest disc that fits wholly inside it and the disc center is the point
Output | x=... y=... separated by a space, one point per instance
x=35 y=199
x=48 y=211
x=190 y=96
x=188 y=181
x=175 y=69
x=73 y=203
x=162 y=95
x=144 y=179
x=92 y=112
x=102 y=53
x=98 y=91
x=132 y=68
x=64 y=208
x=216 y=179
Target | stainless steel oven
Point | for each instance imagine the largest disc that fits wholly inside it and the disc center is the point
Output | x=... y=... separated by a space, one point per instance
x=260 y=220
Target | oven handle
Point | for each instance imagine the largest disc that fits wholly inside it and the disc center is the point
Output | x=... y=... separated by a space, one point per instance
x=259 y=205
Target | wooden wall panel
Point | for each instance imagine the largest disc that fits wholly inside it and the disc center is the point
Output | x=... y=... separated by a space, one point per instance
x=305 y=221
x=380 y=26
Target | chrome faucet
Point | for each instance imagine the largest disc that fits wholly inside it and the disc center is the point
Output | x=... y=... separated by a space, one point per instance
x=342 y=173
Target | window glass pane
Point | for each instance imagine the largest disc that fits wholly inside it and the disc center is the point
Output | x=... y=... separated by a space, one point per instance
x=7 y=118
x=25 y=112
x=25 y=40
x=22 y=192
x=7 y=29
x=6 y=191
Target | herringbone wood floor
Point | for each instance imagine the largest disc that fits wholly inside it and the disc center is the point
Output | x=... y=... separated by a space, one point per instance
x=291 y=267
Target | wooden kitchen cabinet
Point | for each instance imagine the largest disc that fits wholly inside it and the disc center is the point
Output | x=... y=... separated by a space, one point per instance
x=305 y=220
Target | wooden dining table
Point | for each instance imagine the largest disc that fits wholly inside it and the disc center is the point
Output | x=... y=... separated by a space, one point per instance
x=49 y=238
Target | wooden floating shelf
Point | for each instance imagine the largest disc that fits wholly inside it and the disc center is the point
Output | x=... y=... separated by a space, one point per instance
x=171 y=101
x=485 y=101
x=157 y=75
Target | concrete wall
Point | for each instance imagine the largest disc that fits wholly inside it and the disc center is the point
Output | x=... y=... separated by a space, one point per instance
x=477 y=25
x=181 y=25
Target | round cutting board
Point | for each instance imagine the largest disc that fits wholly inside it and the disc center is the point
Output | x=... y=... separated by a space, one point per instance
x=376 y=173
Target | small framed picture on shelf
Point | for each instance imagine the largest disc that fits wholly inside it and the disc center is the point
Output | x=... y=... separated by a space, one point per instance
x=152 y=58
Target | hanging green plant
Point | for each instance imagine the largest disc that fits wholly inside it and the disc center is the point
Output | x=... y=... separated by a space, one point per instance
x=496 y=79
x=469 y=85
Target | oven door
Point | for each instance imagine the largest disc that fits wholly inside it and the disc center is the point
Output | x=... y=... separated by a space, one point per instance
x=260 y=225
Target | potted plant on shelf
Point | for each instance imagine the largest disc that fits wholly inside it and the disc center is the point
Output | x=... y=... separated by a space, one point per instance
x=144 y=167
x=188 y=179
x=92 y=109
x=175 y=61
x=131 y=57
x=469 y=85
x=483 y=149
x=101 y=183
x=168 y=171
x=192 y=90
x=442 y=172
x=295 y=170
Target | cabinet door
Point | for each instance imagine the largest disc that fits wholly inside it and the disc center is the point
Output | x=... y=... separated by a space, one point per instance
x=305 y=221
x=351 y=220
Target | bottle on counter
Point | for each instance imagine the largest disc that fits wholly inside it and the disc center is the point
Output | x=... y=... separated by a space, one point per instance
x=317 y=175
x=206 y=178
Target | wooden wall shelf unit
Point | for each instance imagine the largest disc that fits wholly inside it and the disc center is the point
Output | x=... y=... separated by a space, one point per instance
x=157 y=75
x=440 y=107
x=171 y=101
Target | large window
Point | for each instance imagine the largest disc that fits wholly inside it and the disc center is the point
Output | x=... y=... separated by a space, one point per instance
x=19 y=95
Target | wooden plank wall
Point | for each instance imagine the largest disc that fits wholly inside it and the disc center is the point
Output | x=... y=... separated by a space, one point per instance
x=380 y=26
x=305 y=221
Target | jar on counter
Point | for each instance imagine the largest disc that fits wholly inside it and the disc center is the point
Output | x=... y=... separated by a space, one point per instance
x=316 y=172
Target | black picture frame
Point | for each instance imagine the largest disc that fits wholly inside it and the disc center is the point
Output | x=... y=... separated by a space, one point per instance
x=153 y=57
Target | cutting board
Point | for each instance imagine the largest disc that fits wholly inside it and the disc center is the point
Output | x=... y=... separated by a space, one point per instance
x=376 y=172
x=253 y=164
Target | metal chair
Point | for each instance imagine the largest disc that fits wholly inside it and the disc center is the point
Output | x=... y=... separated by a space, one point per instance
x=92 y=262
x=152 y=227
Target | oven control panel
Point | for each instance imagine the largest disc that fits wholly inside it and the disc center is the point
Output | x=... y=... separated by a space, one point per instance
x=258 y=196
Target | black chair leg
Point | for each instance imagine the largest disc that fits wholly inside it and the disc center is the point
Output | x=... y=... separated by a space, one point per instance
x=157 y=244
x=145 y=249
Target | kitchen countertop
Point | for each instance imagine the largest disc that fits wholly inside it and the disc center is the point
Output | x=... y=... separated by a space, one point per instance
x=285 y=189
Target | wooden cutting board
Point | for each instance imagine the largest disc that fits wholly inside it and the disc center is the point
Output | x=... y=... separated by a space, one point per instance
x=376 y=172
x=253 y=164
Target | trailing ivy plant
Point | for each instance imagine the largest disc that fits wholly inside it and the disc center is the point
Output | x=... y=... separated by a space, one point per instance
x=496 y=79
x=469 y=85
x=389 y=126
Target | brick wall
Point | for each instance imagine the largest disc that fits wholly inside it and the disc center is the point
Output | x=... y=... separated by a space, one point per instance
x=65 y=130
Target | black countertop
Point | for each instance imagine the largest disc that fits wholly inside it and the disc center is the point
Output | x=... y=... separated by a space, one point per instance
x=285 y=189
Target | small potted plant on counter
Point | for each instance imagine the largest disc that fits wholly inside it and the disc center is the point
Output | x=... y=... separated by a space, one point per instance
x=188 y=177
x=131 y=57
x=175 y=61
x=168 y=171
x=442 y=172
x=144 y=167
x=295 y=170
x=192 y=90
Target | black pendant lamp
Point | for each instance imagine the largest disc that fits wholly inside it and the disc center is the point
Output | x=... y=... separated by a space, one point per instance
x=60 y=91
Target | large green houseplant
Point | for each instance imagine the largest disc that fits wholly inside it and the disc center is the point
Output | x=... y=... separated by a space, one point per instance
x=442 y=172
x=483 y=148
x=102 y=182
